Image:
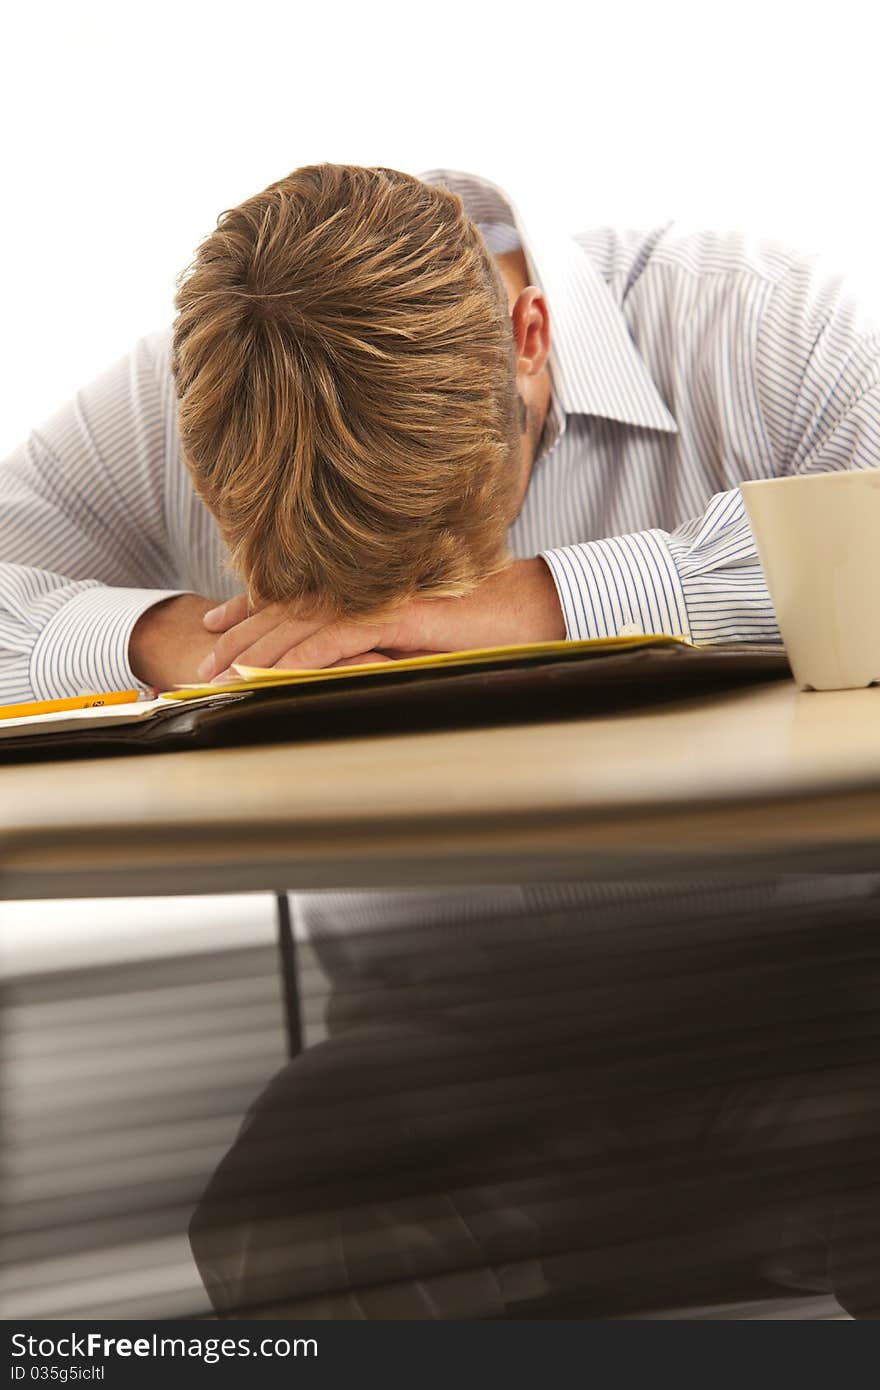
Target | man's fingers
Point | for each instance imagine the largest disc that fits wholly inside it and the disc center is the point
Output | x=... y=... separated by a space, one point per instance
x=336 y=644
x=227 y=615
x=404 y=655
x=266 y=649
x=258 y=641
x=364 y=659
x=231 y=644
x=270 y=638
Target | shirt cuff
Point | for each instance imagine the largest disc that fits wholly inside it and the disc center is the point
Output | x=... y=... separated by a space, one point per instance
x=83 y=648
x=611 y=588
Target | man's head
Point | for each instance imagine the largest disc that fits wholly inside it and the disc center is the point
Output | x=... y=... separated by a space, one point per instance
x=349 y=390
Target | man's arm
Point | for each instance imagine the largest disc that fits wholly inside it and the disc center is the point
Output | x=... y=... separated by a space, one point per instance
x=519 y=604
x=816 y=371
x=703 y=581
x=83 y=549
x=169 y=641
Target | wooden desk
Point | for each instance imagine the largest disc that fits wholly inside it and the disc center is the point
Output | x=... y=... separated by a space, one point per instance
x=761 y=775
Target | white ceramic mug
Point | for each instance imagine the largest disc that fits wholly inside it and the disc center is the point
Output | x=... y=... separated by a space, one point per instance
x=818 y=538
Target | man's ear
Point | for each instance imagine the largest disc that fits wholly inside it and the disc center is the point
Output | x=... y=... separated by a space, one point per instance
x=530 y=321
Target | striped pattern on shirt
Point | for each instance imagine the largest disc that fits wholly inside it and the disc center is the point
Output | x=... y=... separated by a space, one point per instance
x=682 y=364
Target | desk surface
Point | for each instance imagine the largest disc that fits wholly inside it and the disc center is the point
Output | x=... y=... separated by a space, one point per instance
x=763 y=772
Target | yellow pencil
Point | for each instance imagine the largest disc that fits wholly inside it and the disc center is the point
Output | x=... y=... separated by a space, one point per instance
x=109 y=697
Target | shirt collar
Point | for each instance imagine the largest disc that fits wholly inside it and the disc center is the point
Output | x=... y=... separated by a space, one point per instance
x=595 y=367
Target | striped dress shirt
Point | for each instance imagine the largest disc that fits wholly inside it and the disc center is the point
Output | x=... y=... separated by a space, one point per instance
x=681 y=364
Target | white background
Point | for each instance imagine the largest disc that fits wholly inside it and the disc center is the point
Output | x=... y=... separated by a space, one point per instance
x=128 y=127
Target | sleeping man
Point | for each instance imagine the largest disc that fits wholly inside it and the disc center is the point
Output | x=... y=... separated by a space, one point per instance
x=392 y=416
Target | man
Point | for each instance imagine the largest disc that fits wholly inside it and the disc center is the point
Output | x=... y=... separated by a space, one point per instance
x=360 y=417
x=392 y=416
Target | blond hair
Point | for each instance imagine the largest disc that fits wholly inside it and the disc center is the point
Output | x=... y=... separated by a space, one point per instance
x=346 y=378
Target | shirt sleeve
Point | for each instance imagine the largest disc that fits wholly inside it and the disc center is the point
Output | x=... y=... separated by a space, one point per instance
x=83 y=536
x=817 y=379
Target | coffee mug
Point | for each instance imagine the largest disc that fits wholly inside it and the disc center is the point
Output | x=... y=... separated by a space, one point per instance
x=818 y=539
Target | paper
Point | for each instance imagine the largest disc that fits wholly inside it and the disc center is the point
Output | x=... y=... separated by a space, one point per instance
x=258 y=677
x=94 y=717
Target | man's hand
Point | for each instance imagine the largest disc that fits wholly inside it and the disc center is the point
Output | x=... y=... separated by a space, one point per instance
x=169 y=642
x=520 y=604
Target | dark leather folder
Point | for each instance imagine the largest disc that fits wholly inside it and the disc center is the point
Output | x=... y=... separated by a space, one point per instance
x=535 y=687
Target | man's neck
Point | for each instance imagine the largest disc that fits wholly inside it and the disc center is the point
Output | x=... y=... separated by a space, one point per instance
x=514 y=272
